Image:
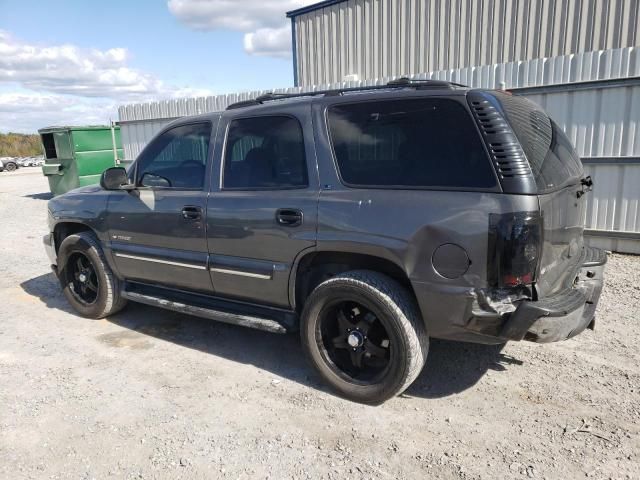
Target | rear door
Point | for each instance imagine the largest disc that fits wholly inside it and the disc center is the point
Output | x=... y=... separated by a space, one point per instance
x=558 y=173
x=262 y=211
x=157 y=232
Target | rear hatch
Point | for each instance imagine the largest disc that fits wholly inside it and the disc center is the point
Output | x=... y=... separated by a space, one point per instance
x=561 y=188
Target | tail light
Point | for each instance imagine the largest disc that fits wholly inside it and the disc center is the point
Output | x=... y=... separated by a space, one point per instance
x=515 y=248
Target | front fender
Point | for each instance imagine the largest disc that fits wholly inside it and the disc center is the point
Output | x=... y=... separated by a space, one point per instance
x=85 y=206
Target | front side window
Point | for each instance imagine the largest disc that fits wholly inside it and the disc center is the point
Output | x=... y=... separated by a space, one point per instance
x=265 y=153
x=414 y=143
x=176 y=159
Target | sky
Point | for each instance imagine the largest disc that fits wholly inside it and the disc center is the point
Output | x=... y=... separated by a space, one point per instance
x=69 y=62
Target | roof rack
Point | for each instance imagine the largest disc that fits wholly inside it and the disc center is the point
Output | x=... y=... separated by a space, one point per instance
x=427 y=82
x=403 y=82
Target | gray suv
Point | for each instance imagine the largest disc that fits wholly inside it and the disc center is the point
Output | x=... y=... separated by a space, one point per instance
x=369 y=219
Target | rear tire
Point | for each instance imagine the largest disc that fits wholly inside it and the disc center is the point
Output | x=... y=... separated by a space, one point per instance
x=11 y=167
x=362 y=332
x=86 y=279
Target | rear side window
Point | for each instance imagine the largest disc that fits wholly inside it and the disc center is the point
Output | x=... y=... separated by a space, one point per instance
x=553 y=160
x=265 y=153
x=417 y=143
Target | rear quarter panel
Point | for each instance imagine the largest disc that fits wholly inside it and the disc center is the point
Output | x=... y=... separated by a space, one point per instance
x=406 y=227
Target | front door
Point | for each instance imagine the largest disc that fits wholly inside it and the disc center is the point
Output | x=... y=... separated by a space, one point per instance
x=157 y=231
x=262 y=212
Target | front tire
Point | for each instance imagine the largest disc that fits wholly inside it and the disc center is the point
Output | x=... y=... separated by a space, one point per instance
x=86 y=279
x=11 y=167
x=363 y=334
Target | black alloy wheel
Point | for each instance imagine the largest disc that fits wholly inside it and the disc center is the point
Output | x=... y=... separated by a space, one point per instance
x=84 y=283
x=354 y=342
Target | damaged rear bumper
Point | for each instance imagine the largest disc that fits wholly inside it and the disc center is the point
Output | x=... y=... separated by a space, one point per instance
x=473 y=316
x=564 y=315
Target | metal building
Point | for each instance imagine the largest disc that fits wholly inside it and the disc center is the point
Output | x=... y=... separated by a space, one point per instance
x=337 y=40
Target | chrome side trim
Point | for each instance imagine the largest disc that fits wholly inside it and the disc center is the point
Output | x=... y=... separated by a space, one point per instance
x=241 y=273
x=157 y=260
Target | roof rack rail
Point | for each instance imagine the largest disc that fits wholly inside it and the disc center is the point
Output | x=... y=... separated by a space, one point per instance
x=429 y=82
x=260 y=99
x=403 y=82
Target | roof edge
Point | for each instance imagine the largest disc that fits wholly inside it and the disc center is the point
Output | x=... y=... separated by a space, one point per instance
x=312 y=8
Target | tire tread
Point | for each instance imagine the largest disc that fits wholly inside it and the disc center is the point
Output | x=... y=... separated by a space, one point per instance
x=403 y=306
x=114 y=301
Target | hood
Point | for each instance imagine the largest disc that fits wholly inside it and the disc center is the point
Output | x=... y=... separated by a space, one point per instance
x=83 y=190
x=80 y=202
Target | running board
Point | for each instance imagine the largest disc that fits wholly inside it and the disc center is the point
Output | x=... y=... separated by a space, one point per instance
x=220 y=310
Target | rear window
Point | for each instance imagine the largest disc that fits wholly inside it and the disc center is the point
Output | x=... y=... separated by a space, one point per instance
x=552 y=158
x=417 y=143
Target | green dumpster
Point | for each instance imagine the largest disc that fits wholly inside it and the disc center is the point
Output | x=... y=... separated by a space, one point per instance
x=77 y=156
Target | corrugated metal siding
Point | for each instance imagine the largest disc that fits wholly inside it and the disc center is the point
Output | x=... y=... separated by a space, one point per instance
x=604 y=123
x=610 y=241
x=614 y=202
x=582 y=67
x=136 y=135
x=602 y=120
x=379 y=38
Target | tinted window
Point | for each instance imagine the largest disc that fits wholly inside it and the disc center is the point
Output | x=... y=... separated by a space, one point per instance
x=409 y=143
x=265 y=152
x=552 y=158
x=177 y=158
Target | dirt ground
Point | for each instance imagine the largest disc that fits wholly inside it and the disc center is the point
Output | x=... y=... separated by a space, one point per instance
x=155 y=394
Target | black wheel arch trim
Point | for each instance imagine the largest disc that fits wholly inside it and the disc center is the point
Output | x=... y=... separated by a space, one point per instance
x=381 y=255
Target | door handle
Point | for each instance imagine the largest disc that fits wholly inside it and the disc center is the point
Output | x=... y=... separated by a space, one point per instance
x=289 y=217
x=190 y=212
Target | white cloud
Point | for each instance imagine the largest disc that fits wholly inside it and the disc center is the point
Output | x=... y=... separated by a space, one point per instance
x=73 y=70
x=26 y=112
x=270 y=42
x=241 y=15
x=267 y=30
x=67 y=84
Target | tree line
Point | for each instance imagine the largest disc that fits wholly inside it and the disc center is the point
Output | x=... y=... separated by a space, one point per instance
x=19 y=145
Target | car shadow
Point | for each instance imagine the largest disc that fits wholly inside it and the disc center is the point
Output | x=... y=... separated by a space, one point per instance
x=452 y=367
x=40 y=196
x=47 y=289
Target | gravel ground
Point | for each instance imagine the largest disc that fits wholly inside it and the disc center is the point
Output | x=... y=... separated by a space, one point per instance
x=155 y=394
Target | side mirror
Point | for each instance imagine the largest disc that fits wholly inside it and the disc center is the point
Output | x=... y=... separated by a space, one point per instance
x=150 y=179
x=113 y=178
